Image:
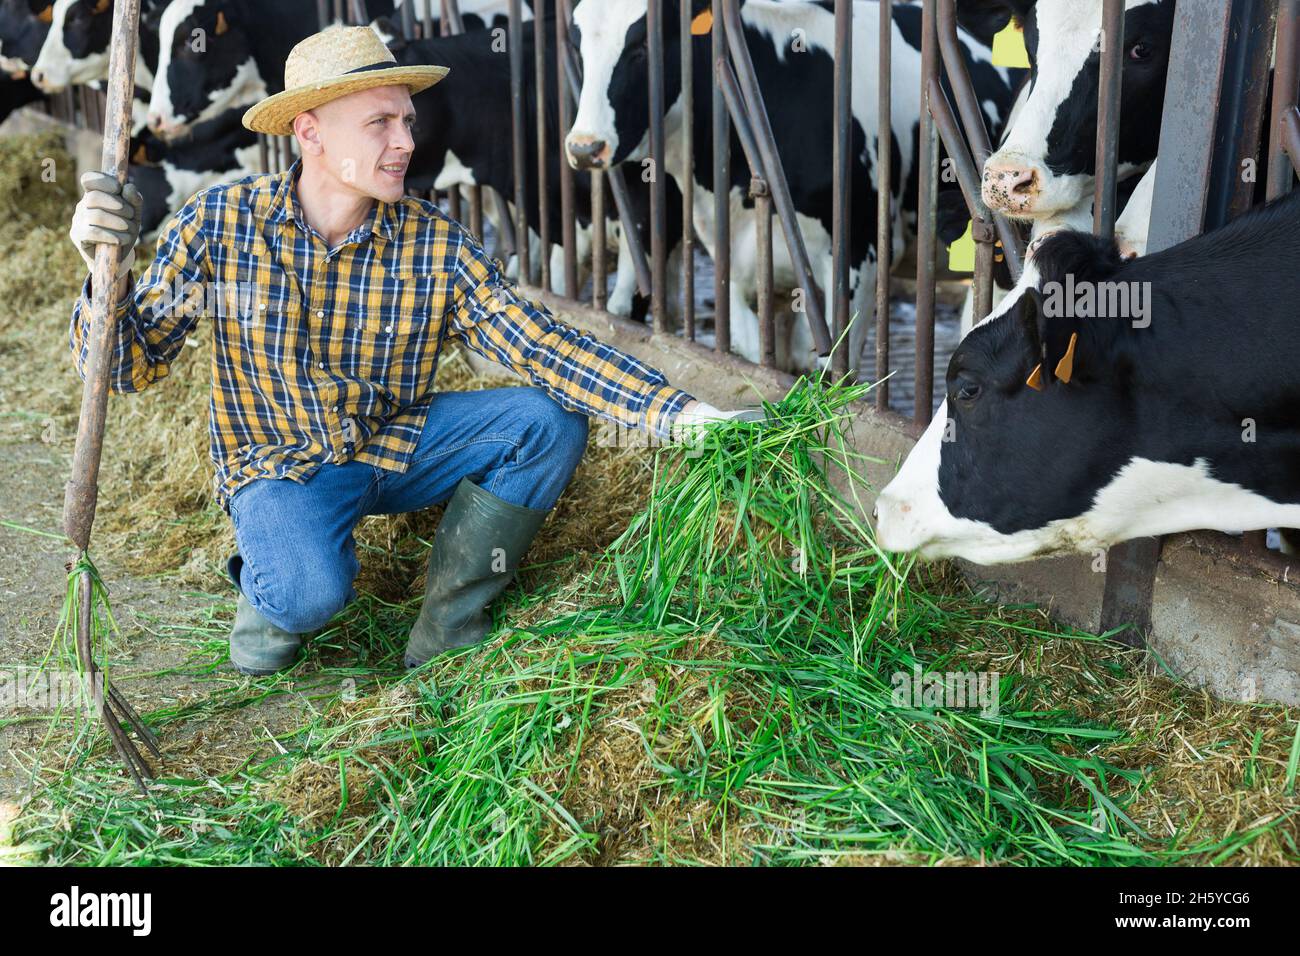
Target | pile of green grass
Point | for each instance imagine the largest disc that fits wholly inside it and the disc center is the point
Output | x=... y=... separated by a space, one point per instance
x=717 y=688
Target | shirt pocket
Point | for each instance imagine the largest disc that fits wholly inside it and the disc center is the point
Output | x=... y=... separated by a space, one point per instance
x=257 y=306
x=400 y=323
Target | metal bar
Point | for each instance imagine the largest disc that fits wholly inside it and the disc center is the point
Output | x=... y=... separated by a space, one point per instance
x=408 y=19
x=1291 y=136
x=748 y=82
x=972 y=117
x=476 y=211
x=884 y=198
x=1286 y=81
x=721 y=198
x=543 y=157
x=726 y=79
x=766 y=318
x=519 y=142
x=338 y=11
x=568 y=96
x=842 y=102
x=1241 y=113
x=455 y=22
x=658 y=200
x=688 y=166
x=927 y=214
x=428 y=17
x=262 y=157
x=1108 y=109
x=599 y=294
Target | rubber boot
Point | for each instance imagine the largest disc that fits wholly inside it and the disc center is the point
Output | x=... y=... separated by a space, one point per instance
x=476 y=551
x=258 y=647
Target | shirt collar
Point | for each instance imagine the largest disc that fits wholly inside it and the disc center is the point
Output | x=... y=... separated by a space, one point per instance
x=285 y=207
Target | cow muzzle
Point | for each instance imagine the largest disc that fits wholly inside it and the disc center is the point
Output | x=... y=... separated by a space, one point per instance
x=44 y=82
x=587 y=152
x=1013 y=187
x=165 y=129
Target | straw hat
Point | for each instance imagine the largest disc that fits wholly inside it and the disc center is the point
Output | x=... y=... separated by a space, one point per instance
x=330 y=64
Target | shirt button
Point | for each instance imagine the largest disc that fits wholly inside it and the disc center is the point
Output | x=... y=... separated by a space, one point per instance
x=263 y=306
x=388 y=329
x=320 y=313
x=320 y=364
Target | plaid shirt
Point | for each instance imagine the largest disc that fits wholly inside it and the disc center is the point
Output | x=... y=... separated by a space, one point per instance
x=328 y=355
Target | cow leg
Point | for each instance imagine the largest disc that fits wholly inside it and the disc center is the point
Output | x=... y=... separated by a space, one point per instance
x=620 y=299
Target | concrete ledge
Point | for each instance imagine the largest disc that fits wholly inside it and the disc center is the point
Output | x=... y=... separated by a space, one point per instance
x=1221 y=620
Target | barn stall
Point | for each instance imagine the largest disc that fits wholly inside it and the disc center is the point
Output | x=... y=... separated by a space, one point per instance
x=613 y=724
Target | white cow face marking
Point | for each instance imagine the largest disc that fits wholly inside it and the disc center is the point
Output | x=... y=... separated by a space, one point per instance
x=611 y=122
x=205 y=66
x=76 y=49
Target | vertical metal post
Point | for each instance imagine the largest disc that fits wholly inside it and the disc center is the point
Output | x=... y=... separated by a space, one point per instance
x=927 y=214
x=338 y=12
x=1108 y=107
x=766 y=317
x=658 y=200
x=884 y=198
x=323 y=13
x=519 y=142
x=1286 y=79
x=543 y=157
x=428 y=17
x=688 y=165
x=842 y=103
x=568 y=227
x=599 y=294
x=408 y=18
x=721 y=197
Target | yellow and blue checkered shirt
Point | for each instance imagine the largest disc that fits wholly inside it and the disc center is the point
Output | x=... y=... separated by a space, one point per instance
x=328 y=355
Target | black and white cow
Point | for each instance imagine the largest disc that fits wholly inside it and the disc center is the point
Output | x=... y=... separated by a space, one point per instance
x=1045 y=166
x=1167 y=401
x=24 y=24
x=75 y=50
x=462 y=138
x=791 y=46
x=216 y=151
x=219 y=54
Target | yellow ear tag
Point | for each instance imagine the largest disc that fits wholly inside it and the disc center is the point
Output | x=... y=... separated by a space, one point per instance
x=1009 y=47
x=1035 y=380
x=1065 y=367
x=961 y=254
x=703 y=23
x=46 y=16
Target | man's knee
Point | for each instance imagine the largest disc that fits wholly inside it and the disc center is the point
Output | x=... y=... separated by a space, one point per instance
x=304 y=597
x=555 y=426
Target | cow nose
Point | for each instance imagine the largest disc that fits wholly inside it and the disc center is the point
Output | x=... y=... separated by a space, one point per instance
x=585 y=152
x=892 y=525
x=1011 y=186
x=154 y=122
x=41 y=80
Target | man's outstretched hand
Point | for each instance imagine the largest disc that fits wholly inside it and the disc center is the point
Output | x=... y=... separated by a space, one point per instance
x=695 y=418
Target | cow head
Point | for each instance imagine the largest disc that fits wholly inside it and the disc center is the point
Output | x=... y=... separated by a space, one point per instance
x=1066 y=433
x=24 y=25
x=76 y=48
x=612 y=122
x=1047 y=160
x=205 y=65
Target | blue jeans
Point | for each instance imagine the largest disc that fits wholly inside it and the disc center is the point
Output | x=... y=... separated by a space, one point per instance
x=297 y=557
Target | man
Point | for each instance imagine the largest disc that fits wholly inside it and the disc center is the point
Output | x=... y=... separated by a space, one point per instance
x=331 y=293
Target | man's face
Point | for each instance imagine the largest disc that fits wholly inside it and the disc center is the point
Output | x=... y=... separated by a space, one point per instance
x=365 y=141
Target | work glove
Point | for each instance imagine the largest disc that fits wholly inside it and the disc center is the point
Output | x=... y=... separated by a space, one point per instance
x=107 y=213
x=692 y=422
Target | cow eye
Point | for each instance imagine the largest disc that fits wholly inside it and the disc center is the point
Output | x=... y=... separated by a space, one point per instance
x=1140 y=51
x=967 y=391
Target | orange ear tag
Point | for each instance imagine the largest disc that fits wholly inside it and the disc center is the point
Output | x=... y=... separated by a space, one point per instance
x=1035 y=380
x=703 y=23
x=1065 y=367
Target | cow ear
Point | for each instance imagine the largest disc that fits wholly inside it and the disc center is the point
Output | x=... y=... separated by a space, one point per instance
x=222 y=25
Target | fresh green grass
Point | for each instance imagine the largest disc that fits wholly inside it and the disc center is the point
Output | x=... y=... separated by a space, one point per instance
x=720 y=687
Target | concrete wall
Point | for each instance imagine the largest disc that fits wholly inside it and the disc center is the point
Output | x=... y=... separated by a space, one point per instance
x=1220 y=620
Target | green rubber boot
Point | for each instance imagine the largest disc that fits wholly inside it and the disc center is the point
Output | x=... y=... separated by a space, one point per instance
x=257 y=647
x=476 y=551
